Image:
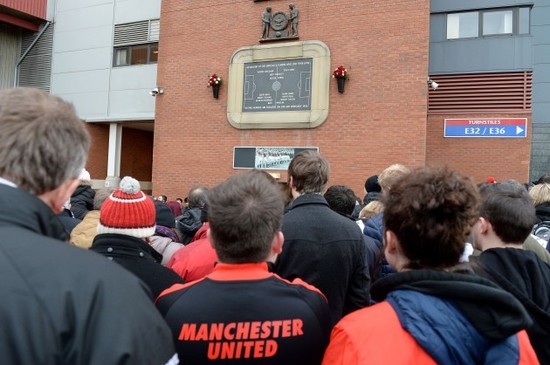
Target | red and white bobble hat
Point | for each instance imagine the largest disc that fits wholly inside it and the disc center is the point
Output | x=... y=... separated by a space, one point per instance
x=127 y=211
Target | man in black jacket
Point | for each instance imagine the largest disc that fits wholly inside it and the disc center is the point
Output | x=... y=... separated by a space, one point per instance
x=322 y=247
x=507 y=215
x=60 y=304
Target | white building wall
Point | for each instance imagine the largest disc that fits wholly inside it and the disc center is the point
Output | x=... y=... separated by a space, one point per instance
x=82 y=69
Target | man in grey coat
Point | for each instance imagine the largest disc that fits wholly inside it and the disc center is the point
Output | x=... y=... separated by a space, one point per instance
x=61 y=304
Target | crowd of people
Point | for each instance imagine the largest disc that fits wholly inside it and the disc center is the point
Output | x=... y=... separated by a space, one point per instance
x=426 y=268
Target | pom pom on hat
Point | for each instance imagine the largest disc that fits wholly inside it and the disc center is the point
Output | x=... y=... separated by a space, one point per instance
x=127 y=211
x=84 y=175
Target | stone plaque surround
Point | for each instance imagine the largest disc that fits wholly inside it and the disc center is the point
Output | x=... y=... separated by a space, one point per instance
x=320 y=80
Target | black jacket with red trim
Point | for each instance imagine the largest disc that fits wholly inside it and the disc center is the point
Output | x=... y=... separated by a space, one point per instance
x=243 y=314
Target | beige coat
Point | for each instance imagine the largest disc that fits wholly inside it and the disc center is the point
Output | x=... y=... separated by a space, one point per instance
x=83 y=234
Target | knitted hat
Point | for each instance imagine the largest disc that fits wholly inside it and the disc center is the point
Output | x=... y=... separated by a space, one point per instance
x=127 y=211
x=371 y=185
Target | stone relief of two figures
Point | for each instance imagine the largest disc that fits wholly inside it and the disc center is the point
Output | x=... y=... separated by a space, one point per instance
x=278 y=22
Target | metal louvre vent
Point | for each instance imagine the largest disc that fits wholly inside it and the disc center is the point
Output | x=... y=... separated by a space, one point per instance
x=511 y=91
x=136 y=33
x=35 y=69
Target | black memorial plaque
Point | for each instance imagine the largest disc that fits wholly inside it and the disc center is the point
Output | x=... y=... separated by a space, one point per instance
x=283 y=85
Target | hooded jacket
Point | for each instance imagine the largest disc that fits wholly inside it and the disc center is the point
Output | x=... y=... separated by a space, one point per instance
x=189 y=223
x=525 y=276
x=429 y=317
x=63 y=305
x=82 y=200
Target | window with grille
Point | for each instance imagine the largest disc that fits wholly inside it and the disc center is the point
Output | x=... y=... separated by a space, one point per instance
x=136 y=43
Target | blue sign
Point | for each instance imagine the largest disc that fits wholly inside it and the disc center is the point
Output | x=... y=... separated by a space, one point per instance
x=486 y=128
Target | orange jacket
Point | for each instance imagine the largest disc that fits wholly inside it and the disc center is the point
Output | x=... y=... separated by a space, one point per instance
x=374 y=336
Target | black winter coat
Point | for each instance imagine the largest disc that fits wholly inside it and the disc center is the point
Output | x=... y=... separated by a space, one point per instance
x=64 y=305
x=82 y=201
x=138 y=257
x=524 y=275
x=326 y=250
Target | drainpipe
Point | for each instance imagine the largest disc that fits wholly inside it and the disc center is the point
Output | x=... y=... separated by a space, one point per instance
x=16 y=78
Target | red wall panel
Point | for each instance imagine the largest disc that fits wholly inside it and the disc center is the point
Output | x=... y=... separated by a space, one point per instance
x=36 y=8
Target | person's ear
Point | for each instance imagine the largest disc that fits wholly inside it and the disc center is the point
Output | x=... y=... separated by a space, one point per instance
x=209 y=236
x=56 y=198
x=484 y=226
x=390 y=242
x=276 y=246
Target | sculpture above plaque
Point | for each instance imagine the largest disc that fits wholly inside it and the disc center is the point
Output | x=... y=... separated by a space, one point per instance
x=279 y=26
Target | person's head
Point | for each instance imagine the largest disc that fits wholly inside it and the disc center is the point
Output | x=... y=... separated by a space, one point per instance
x=427 y=216
x=246 y=214
x=197 y=197
x=128 y=211
x=540 y=193
x=44 y=144
x=372 y=208
x=180 y=201
x=100 y=196
x=507 y=215
x=162 y=198
x=544 y=179
x=372 y=185
x=308 y=172
x=391 y=175
x=163 y=215
x=341 y=199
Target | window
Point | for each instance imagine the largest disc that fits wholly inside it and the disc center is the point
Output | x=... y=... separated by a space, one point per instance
x=474 y=24
x=497 y=22
x=136 y=55
x=462 y=25
x=136 y=43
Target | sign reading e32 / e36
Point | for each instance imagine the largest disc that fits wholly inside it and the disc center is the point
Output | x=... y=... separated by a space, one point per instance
x=486 y=128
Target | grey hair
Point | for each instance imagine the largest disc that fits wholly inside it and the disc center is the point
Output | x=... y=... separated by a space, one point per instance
x=44 y=143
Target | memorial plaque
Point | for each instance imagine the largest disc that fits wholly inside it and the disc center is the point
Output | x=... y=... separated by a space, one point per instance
x=283 y=85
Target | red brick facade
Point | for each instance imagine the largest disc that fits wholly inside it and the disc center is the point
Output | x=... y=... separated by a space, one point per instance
x=379 y=120
x=135 y=155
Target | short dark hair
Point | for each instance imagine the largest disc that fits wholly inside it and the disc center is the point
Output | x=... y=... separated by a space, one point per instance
x=309 y=171
x=341 y=199
x=431 y=211
x=197 y=197
x=245 y=213
x=510 y=210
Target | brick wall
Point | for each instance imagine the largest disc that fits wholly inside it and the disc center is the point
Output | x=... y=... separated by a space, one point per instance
x=99 y=148
x=136 y=154
x=479 y=158
x=379 y=120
